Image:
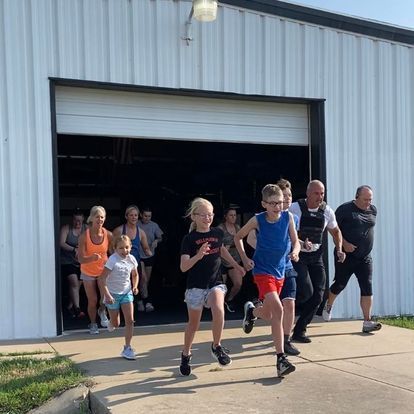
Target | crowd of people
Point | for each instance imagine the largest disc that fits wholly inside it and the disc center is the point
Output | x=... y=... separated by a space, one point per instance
x=287 y=266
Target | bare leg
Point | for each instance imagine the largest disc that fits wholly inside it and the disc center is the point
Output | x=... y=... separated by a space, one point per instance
x=216 y=303
x=288 y=315
x=128 y=311
x=237 y=280
x=114 y=317
x=92 y=296
x=366 y=306
x=74 y=286
x=194 y=316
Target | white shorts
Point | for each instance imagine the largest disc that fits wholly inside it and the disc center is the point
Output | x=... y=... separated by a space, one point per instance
x=198 y=298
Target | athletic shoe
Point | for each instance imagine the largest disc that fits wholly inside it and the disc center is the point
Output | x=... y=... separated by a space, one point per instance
x=301 y=338
x=185 y=367
x=110 y=327
x=93 y=328
x=370 y=326
x=220 y=354
x=128 y=353
x=326 y=313
x=249 y=318
x=140 y=306
x=291 y=349
x=103 y=317
x=230 y=306
x=149 y=307
x=283 y=366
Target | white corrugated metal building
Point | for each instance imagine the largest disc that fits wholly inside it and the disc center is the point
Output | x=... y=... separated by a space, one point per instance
x=263 y=72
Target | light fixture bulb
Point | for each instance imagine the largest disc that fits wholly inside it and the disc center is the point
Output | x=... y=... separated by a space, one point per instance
x=205 y=10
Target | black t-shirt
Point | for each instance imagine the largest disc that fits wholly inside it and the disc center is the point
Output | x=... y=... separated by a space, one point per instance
x=357 y=227
x=206 y=273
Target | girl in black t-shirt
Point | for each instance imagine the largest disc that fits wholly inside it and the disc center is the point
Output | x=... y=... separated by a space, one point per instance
x=201 y=252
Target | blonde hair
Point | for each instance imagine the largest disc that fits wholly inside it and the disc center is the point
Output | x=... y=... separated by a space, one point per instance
x=130 y=208
x=95 y=210
x=118 y=239
x=271 y=190
x=194 y=206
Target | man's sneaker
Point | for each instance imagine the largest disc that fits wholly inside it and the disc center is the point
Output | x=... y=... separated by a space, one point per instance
x=103 y=317
x=370 y=326
x=149 y=307
x=128 y=353
x=93 y=328
x=291 y=349
x=284 y=367
x=221 y=355
x=185 y=367
x=110 y=327
x=249 y=318
x=140 y=306
x=301 y=338
x=326 y=313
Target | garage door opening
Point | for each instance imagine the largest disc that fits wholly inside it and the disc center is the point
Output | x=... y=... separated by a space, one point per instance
x=166 y=175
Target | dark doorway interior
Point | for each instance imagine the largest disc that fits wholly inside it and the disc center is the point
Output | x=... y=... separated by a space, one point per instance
x=167 y=175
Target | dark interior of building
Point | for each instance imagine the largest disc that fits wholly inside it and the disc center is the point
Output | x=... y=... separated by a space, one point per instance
x=166 y=176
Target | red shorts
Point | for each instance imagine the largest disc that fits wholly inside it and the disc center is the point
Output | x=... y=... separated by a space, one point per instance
x=268 y=283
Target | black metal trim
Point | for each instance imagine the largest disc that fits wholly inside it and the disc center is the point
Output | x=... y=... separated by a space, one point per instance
x=327 y=19
x=56 y=215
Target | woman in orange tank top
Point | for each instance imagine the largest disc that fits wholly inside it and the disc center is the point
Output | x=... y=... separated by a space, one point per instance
x=94 y=244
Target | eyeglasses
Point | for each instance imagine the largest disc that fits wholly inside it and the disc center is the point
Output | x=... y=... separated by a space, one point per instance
x=209 y=215
x=273 y=203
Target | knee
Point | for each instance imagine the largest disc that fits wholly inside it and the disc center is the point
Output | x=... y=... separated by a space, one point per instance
x=337 y=288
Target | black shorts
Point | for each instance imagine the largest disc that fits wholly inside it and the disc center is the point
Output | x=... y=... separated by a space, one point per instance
x=70 y=269
x=362 y=268
x=148 y=262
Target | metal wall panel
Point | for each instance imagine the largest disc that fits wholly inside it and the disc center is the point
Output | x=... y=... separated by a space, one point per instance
x=367 y=84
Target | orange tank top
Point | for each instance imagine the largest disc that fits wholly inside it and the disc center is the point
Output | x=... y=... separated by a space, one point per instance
x=94 y=269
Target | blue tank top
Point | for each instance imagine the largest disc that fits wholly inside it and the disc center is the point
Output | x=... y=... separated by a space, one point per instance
x=272 y=243
x=135 y=243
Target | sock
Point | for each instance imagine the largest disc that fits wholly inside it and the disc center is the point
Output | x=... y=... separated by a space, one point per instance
x=286 y=338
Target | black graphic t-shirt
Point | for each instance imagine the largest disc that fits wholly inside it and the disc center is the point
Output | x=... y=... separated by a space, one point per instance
x=206 y=273
x=357 y=227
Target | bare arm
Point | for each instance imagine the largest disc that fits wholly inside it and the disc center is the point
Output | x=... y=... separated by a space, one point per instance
x=294 y=254
x=248 y=264
x=337 y=238
x=188 y=262
x=135 y=280
x=103 y=288
x=224 y=253
x=144 y=242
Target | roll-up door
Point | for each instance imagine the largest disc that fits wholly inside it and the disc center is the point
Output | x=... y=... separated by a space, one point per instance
x=98 y=112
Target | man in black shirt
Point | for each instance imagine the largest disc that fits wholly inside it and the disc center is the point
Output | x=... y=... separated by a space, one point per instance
x=356 y=219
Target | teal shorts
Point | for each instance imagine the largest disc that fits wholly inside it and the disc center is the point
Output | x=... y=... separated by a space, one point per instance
x=120 y=299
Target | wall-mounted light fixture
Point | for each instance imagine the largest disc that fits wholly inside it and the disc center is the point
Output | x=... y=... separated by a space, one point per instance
x=202 y=10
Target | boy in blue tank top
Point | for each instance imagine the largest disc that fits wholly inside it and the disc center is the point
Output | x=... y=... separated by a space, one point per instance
x=275 y=229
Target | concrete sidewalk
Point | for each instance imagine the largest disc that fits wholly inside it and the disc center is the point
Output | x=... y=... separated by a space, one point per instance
x=341 y=371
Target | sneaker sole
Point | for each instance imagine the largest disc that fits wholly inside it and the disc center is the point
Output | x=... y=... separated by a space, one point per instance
x=225 y=365
x=129 y=358
x=368 y=330
x=246 y=326
x=286 y=372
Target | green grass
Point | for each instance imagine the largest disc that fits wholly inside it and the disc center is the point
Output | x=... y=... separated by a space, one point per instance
x=403 y=321
x=29 y=382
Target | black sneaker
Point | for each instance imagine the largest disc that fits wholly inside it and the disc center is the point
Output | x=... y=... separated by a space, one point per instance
x=291 y=349
x=284 y=367
x=185 y=367
x=301 y=338
x=249 y=318
x=220 y=354
x=230 y=306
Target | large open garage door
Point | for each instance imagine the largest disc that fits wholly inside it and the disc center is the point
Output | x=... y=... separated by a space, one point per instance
x=119 y=148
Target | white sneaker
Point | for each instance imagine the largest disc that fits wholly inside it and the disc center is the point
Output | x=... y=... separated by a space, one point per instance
x=128 y=353
x=103 y=317
x=327 y=312
x=149 y=307
x=110 y=327
x=93 y=329
x=370 y=326
x=140 y=306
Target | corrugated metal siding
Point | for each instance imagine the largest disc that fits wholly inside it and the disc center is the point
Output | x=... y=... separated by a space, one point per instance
x=369 y=125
